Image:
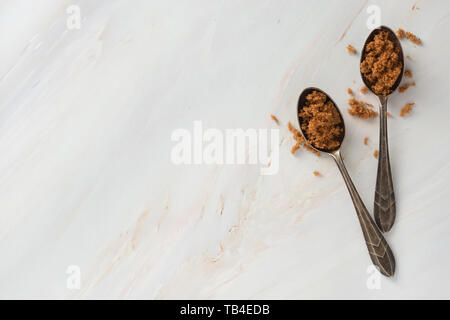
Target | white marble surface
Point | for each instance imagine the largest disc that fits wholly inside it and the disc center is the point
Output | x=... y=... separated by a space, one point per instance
x=86 y=178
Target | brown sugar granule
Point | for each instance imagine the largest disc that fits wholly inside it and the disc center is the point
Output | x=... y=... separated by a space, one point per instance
x=295 y=148
x=408 y=73
x=365 y=140
x=375 y=154
x=409 y=57
x=297 y=135
x=363 y=89
x=405 y=87
x=381 y=65
x=408 y=35
x=388 y=114
x=401 y=33
x=316 y=173
x=350 y=91
x=274 y=119
x=321 y=122
x=351 y=49
x=292 y=128
x=413 y=38
x=406 y=109
x=359 y=109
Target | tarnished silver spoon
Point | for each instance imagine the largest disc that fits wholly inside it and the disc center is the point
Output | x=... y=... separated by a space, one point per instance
x=384 y=203
x=379 y=250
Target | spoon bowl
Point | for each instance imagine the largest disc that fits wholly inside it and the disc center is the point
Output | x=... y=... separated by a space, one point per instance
x=394 y=39
x=379 y=250
x=302 y=102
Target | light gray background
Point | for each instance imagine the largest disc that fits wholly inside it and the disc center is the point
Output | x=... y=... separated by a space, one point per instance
x=86 y=178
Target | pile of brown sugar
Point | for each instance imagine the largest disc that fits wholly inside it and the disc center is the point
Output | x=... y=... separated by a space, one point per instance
x=359 y=109
x=321 y=122
x=382 y=65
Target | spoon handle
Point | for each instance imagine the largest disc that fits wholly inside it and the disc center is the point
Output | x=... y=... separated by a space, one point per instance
x=379 y=250
x=384 y=204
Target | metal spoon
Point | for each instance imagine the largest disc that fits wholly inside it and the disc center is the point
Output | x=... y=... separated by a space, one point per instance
x=379 y=250
x=384 y=204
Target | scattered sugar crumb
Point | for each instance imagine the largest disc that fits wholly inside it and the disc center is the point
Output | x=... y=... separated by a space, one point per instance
x=388 y=114
x=350 y=91
x=274 y=119
x=291 y=128
x=405 y=87
x=406 y=109
x=300 y=141
x=351 y=49
x=408 y=73
x=363 y=89
x=413 y=38
x=316 y=173
x=375 y=154
x=401 y=34
x=365 y=140
x=359 y=109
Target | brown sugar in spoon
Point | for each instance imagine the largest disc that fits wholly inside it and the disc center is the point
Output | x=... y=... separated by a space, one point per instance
x=381 y=68
x=314 y=109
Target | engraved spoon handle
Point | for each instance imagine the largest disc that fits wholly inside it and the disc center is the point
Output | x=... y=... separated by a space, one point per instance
x=384 y=204
x=379 y=250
